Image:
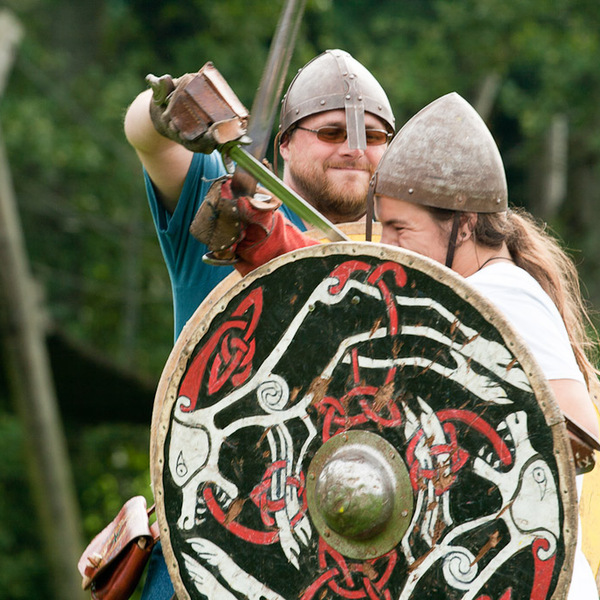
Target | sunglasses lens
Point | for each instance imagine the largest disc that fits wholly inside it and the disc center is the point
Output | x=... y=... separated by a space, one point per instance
x=338 y=135
x=332 y=135
x=376 y=137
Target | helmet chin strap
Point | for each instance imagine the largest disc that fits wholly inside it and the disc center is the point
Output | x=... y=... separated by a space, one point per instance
x=370 y=208
x=452 y=240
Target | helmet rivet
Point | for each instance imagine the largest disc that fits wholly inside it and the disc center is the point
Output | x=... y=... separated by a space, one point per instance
x=345 y=74
x=322 y=102
x=297 y=110
x=360 y=98
x=351 y=76
x=348 y=97
x=410 y=190
x=498 y=200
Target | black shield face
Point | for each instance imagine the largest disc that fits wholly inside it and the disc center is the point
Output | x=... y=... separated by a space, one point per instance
x=353 y=421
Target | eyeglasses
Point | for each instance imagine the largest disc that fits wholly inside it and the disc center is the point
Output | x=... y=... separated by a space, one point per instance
x=338 y=135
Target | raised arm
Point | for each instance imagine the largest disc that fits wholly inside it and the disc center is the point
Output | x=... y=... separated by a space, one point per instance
x=166 y=161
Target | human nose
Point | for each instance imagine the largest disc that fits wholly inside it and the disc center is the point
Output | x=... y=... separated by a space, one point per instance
x=345 y=150
x=386 y=237
x=391 y=236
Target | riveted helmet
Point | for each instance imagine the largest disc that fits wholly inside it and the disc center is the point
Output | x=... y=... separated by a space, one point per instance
x=336 y=80
x=444 y=157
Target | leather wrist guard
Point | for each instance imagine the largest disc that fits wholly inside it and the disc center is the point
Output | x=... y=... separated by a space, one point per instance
x=198 y=110
x=584 y=446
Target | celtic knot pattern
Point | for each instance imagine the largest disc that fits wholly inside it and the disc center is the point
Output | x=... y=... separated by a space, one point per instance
x=444 y=473
x=227 y=354
x=375 y=277
x=261 y=496
x=356 y=580
x=369 y=407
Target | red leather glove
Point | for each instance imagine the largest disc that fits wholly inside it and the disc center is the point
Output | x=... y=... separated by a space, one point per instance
x=264 y=238
x=245 y=231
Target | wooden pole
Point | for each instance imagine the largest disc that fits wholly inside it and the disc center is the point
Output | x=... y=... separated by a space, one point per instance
x=557 y=151
x=486 y=97
x=30 y=377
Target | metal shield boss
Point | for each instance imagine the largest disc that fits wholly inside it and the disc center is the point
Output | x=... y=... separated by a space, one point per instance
x=445 y=157
x=336 y=80
x=350 y=421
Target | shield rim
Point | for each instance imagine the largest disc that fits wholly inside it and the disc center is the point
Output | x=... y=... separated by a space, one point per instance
x=218 y=300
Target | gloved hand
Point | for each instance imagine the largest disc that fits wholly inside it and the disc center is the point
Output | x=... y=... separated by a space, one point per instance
x=224 y=220
x=197 y=110
x=246 y=231
x=165 y=93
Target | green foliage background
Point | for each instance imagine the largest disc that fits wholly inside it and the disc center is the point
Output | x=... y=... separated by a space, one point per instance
x=88 y=230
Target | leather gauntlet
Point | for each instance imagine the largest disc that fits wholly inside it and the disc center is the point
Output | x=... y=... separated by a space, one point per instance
x=247 y=231
x=224 y=220
x=197 y=110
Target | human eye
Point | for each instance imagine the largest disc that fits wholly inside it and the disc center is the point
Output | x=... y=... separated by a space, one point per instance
x=390 y=234
x=332 y=134
x=376 y=137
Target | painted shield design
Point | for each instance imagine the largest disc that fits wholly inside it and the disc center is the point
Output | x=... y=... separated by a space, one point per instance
x=354 y=421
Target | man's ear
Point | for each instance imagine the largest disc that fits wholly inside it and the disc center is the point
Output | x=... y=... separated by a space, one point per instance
x=468 y=221
x=284 y=149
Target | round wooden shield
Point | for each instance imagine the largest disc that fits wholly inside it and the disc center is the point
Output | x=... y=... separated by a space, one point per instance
x=354 y=421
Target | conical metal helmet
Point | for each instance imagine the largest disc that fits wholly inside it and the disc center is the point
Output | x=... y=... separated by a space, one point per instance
x=335 y=80
x=445 y=157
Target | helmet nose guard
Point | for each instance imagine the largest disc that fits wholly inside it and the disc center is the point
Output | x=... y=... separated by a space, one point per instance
x=335 y=80
x=444 y=157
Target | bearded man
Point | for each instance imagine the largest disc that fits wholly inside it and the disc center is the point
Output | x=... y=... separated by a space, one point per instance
x=335 y=124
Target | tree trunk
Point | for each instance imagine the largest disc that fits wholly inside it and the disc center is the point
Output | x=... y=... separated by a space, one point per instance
x=30 y=378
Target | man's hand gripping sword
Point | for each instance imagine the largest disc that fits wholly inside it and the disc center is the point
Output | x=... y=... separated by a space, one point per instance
x=201 y=112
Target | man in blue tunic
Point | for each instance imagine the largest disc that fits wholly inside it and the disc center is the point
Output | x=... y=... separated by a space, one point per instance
x=330 y=147
x=320 y=164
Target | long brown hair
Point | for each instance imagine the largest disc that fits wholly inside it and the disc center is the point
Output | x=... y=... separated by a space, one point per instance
x=542 y=256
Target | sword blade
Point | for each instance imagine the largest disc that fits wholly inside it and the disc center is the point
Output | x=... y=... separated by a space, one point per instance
x=268 y=95
x=266 y=101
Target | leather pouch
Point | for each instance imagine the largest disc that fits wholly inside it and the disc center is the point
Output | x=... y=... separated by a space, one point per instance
x=112 y=564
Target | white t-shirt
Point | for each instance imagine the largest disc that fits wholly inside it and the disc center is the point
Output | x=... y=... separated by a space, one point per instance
x=536 y=319
x=533 y=315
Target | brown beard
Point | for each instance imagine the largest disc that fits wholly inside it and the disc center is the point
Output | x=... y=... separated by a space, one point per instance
x=325 y=196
